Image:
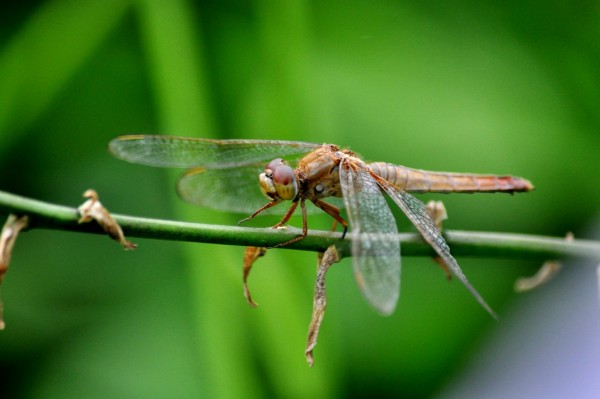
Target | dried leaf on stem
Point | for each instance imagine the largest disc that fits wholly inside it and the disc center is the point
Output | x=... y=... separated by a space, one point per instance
x=547 y=272
x=92 y=209
x=250 y=256
x=13 y=226
x=438 y=213
x=325 y=260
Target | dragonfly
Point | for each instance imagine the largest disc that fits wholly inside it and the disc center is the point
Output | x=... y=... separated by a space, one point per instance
x=222 y=174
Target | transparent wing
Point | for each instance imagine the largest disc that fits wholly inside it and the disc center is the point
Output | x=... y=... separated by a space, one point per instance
x=375 y=242
x=185 y=152
x=232 y=190
x=415 y=211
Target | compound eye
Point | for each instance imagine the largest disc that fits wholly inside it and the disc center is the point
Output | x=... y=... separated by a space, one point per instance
x=319 y=188
x=283 y=175
x=271 y=166
x=284 y=180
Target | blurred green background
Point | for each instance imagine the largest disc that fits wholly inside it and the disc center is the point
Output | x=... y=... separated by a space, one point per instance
x=476 y=86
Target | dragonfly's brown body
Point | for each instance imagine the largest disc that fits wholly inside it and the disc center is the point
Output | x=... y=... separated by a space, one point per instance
x=316 y=173
x=318 y=170
x=219 y=177
x=423 y=181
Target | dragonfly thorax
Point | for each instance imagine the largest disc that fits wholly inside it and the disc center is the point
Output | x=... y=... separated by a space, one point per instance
x=278 y=181
x=325 y=186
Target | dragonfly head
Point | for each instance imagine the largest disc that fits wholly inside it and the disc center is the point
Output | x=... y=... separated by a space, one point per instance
x=278 y=181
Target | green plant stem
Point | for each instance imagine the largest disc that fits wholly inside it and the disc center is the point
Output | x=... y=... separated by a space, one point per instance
x=479 y=244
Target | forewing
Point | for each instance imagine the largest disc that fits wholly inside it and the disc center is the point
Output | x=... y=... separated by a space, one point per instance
x=232 y=190
x=415 y=210
x=375 y=241
x=186 y=152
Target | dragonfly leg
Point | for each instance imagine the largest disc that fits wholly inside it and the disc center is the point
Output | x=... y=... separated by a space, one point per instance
x=287 y=216
x=284 y=219
x=334 y=226
x=259 y=211
x=334 y=212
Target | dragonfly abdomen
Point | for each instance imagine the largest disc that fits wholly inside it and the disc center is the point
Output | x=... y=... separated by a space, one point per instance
x=417 y=180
